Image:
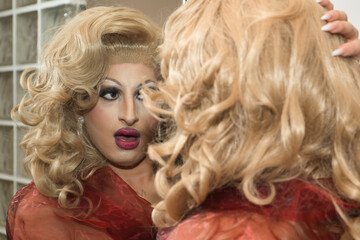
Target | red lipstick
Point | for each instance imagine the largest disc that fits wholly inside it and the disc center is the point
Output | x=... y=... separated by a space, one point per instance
x=127 y=138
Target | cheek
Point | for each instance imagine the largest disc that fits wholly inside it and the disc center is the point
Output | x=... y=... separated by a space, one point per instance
x=153 y=125
x=97 y=119
x=149 y=124
x=95 y=116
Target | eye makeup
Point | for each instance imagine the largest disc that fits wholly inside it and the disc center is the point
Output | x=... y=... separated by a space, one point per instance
x=138 y=95
x=109 y=93
x=147 y=84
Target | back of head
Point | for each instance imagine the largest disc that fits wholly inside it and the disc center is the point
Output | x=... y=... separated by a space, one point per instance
x=256 y=97
x=66 y=85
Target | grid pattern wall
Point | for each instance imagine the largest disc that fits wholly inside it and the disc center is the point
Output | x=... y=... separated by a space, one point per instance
x=24 y=26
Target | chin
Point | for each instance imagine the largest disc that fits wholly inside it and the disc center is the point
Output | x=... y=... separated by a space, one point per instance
x=131 y=164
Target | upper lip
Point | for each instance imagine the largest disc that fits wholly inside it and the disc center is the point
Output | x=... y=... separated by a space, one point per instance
x=127 y=132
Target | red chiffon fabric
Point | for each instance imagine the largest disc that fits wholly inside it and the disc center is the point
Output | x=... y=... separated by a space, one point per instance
x=118 y=213
x=299 y=211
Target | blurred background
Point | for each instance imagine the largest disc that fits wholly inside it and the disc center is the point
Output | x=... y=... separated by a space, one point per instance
x=351 y=7
x=24 y=26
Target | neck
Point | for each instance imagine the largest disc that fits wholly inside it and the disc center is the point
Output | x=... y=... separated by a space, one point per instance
x=140 y=178
x=137 y=176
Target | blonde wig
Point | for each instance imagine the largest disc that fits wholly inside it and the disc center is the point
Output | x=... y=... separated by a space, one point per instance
x=257 y=98
x=66 y=86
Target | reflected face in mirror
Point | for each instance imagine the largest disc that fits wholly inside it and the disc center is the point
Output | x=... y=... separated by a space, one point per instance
x=119 y=125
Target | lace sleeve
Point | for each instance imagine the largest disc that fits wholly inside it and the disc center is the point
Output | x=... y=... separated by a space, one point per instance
x=118 y=213
x=240 y=226
x=33 y=216
x=300 y=210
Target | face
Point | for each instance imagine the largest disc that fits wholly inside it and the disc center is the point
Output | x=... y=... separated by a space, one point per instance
x=119 y=125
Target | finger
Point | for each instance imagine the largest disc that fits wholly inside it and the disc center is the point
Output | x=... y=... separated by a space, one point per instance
x=326 y=4
x=351 y=48
x=334 y=15
x=344 y=28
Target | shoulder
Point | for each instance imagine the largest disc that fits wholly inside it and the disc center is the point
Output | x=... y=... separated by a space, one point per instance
x=30 y=214
x=29 y=199
x=35 y=216
x=24 y=199
x=231 y=224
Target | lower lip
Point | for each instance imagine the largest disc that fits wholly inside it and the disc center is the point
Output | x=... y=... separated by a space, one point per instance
x=126 y=143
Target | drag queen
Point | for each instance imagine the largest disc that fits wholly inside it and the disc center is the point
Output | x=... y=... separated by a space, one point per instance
x=89 y=131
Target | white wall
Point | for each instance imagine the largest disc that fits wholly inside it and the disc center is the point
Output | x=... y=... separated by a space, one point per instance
x=352 y=9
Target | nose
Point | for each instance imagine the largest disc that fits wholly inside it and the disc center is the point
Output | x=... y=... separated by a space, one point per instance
x=128 y=113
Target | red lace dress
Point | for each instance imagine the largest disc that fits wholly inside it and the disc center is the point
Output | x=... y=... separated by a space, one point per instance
x=299 y=211
x=119 y=213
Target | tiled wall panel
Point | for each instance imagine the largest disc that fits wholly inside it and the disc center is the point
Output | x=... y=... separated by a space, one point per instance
x=26 y=40
x=5 y=4
x=21 y=3
x=6 y=94
x=6 y=30
x=52 y=18
x=5 y=197
x=6 y=150
x=20 y=153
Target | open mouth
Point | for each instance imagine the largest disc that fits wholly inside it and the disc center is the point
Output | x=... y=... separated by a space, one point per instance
x=127 y=138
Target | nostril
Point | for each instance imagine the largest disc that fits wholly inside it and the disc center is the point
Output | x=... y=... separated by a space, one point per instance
x=128 y=112
x=130 y=120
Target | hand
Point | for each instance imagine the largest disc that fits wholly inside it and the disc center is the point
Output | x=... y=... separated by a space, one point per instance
x=326 y=4
x=338 y=24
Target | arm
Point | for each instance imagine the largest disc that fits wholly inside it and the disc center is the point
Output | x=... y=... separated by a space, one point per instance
x=33 y=216
x=239 y=225
x=43 y=223
x=36 y=222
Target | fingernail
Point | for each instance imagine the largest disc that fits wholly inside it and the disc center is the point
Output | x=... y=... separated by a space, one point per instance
x=326 y=17
x=326 y=27
x=319 y=1
x=337 y=52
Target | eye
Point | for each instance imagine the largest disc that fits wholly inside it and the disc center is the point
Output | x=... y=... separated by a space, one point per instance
x=109 y=93
x=154 y=88
x=138 y=96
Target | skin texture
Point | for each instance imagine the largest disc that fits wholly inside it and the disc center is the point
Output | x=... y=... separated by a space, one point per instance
x=119 y=108
x=120 y=105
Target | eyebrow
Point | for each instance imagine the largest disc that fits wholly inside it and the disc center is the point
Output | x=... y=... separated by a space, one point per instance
x=138 y=86
x=146 y=82
x=113 y=80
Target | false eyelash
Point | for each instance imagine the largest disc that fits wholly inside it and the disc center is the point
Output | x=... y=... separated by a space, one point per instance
x=105 y=91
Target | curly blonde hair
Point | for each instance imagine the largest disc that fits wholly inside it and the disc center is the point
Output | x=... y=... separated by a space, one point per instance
x=256 y=97
x=66 y=86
